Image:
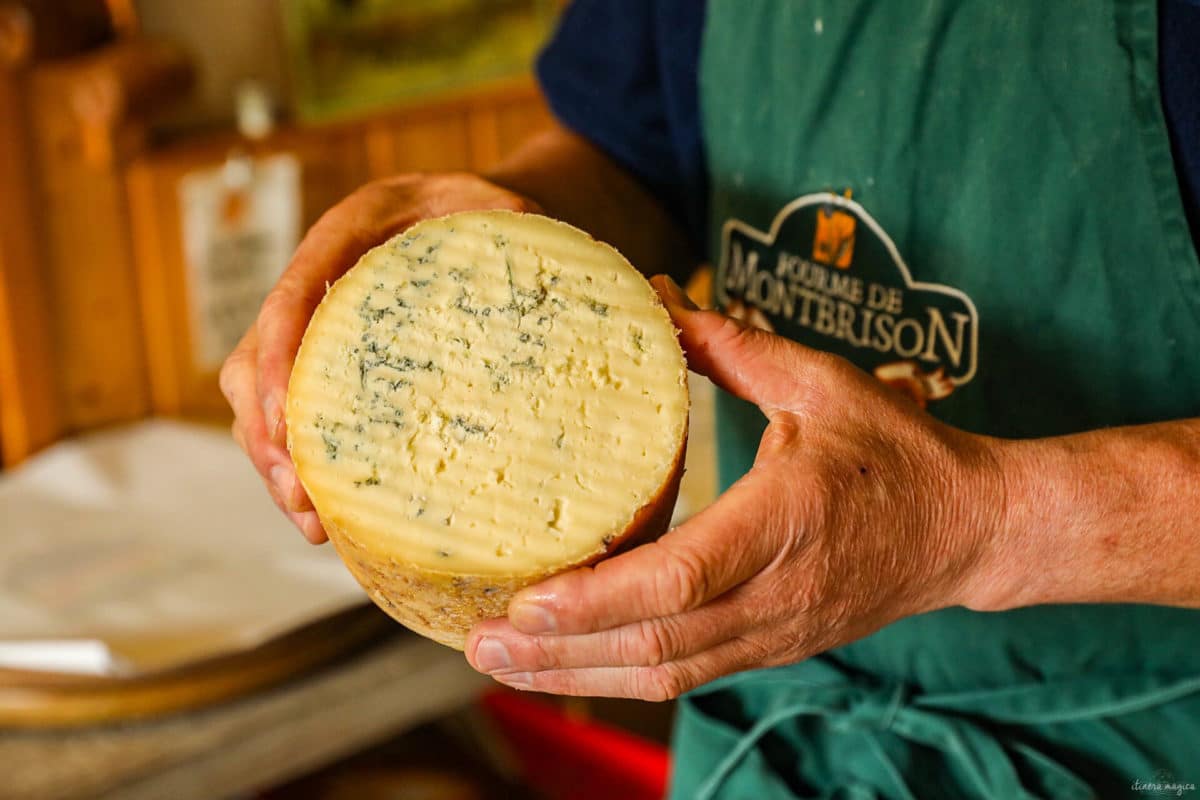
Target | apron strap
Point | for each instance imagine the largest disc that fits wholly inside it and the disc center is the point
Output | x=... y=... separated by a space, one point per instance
x=1068 y=700
x=984 y=759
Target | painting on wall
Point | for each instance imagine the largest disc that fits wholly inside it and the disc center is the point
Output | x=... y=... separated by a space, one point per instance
x=349 y=57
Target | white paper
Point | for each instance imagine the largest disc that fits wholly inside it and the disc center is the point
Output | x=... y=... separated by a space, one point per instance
x=233 y=259
x=145 y=547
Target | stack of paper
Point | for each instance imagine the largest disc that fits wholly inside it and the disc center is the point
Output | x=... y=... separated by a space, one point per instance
x=148 y=547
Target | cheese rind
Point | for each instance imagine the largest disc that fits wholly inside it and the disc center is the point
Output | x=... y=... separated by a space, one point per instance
x=481 y=402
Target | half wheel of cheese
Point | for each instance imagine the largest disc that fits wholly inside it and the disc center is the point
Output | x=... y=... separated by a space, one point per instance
x=483 y=401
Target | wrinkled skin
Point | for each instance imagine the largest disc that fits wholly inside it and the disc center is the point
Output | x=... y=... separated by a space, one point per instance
x=860 y=509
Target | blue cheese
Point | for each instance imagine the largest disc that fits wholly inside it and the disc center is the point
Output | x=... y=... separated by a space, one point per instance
x=482 y=401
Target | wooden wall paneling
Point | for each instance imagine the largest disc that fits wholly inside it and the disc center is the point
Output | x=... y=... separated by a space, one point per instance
x=334 y=164
x=484 y=134
x=516 y=121
x=29 y=413
x=158 y=258
x=500 y=123
x=379 y=149
x=431 y=142
x=471 y=130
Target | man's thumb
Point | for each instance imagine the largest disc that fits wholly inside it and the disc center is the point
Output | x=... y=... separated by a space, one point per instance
x=745 y=361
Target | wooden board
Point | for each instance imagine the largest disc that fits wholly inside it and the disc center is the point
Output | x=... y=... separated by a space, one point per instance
x=29 y=412
x=69 y=326
x=87 y=116
x=260 y=740
x=41 y=700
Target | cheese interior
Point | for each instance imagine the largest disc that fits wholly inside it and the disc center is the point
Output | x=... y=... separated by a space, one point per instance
x=489 y=393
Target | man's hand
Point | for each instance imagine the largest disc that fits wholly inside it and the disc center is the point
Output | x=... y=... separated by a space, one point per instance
x=860 y=509
x=254 y=378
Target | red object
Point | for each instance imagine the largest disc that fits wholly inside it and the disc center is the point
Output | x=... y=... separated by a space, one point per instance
x=573 y=759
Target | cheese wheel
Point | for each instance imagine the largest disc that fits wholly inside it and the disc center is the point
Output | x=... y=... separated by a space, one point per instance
x=483 y=401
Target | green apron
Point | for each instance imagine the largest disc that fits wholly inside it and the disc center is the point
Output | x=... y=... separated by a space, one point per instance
x=977 y=203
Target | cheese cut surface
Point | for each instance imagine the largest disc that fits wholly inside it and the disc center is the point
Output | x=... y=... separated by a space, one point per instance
x=482 y=401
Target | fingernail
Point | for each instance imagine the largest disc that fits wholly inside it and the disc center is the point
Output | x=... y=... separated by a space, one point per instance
x=517 y=680
x=273 y=416
x=309 y=524
x=284 y=483
x=491 y=655
x=675 y=294
x=532 y=618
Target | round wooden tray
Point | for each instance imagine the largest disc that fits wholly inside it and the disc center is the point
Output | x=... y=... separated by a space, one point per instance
x=32 y=700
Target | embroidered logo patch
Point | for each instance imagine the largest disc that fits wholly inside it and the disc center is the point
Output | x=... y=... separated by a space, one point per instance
x=827 y=275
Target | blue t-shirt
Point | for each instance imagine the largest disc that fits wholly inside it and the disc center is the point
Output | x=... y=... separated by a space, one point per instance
x=623 y=74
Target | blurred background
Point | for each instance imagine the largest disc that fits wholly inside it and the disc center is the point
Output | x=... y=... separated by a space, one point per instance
x=163 y=633
x=162 y=157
